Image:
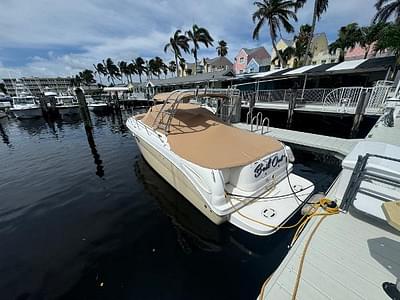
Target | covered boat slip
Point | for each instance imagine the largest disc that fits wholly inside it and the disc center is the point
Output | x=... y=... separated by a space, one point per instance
x=198 y=136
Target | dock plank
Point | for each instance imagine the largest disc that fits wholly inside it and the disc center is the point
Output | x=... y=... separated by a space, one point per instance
x=338 y=146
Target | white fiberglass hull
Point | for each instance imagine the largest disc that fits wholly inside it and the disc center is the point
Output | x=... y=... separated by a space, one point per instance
x=97 y=107
x=244 y=212
x=27 y=113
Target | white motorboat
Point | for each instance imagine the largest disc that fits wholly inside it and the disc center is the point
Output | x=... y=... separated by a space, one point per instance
x=96 y=105
x=67 y=104
x=230 y=175
x=25 y=105
x=5 y=101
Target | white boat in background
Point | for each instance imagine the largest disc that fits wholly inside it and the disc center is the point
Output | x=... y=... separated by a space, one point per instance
x=67 y=105
x=5 y=101
x=96 y=105
x=2 y=114
x=25 y=105
x=228 y=174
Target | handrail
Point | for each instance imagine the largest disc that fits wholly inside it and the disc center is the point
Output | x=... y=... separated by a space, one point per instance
x=262 y=127
x=248 y=116
x=251 y=125
x=259 y=119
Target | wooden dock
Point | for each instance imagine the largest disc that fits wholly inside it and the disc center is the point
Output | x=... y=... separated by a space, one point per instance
x=349 y=257
x=337 y=146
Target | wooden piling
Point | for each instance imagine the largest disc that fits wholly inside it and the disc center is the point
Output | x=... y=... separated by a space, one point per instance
x=359 y=113
x=83 y=108
x=292 y=106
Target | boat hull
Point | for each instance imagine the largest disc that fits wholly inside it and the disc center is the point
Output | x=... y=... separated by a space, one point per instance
x=177 y=180
x=97 y=107
x=27 y=113
x=68 y=110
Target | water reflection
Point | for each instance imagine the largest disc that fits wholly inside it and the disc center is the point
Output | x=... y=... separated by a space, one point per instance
x=96 y=156
x=4 y=136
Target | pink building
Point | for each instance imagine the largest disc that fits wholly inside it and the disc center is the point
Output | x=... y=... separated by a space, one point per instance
x=358 y=53
x=245 y=55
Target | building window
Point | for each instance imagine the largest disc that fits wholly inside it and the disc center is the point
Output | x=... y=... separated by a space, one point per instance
x=333 y=60
x=314 y=62
x=241 y=60
x=323 y=61
x=251 y=70
x=241 y=71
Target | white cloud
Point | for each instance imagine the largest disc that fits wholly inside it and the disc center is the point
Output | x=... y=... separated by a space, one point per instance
x=85 y=32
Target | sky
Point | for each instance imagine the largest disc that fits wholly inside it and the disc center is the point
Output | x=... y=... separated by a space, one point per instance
x=61 y=38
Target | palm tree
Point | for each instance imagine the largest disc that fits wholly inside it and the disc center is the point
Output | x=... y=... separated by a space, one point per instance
x=389 y=39
x=159 y=63
x=369 y=35
x=177 y=42
x=112 y=70
x=286 y=55
x=274 y=13
x=199 y=35
x=222 y=48
x=87 y=77
x=131 y=69
x=100 y=70
x=347 y=39
x=123 y=69
x=387 y=9
x=140 y=67
x=182 y=65
x=301 y=42
x=172 y=67
x=320 y=6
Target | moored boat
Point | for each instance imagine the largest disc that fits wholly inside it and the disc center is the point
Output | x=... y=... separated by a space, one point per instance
x=228 y=174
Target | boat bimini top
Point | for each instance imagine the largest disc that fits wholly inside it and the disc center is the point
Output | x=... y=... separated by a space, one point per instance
x=199 y=136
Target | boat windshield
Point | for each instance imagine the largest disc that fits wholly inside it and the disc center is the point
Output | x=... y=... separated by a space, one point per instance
x=24 y=100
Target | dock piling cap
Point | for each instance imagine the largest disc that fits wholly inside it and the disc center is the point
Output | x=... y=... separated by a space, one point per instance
x=392 y=213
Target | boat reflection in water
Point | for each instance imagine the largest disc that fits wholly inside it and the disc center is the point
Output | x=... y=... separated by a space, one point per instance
x=194 y=230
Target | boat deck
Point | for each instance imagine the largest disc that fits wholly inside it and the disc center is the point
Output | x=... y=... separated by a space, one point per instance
x=338 y=146
x=348 y=258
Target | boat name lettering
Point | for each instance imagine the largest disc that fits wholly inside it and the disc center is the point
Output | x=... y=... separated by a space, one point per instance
x=263 y=166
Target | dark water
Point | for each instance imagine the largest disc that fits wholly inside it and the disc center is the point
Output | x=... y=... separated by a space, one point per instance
x=82 y=216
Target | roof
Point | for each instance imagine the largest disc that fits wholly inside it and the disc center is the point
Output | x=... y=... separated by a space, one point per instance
x=198 y=136
x=200 y=77
x=251 y=51
x=259 y=61
x=219 y=61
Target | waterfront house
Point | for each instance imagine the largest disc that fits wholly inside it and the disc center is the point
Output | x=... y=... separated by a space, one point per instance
x=220 y=63
x=245 y=56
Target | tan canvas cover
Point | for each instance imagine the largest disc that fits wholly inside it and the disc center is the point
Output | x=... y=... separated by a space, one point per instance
x=200 y=137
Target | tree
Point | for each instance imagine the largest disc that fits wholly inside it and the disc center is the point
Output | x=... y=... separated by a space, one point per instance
x=301 y=42
x=123 y=69
x=275 y=14
x=389 y=39
x=348 y=37
x=100 y=70
x=222 y=48
x=369 y=35
x=199 y=35
x=387 y=9
x=177 y=43
x=182 y=65
x=131 y=69
x=112 y=70
x=140 y=67
x=172 y=67
x=285 y=55
x=87 y=77
x=320 y=6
